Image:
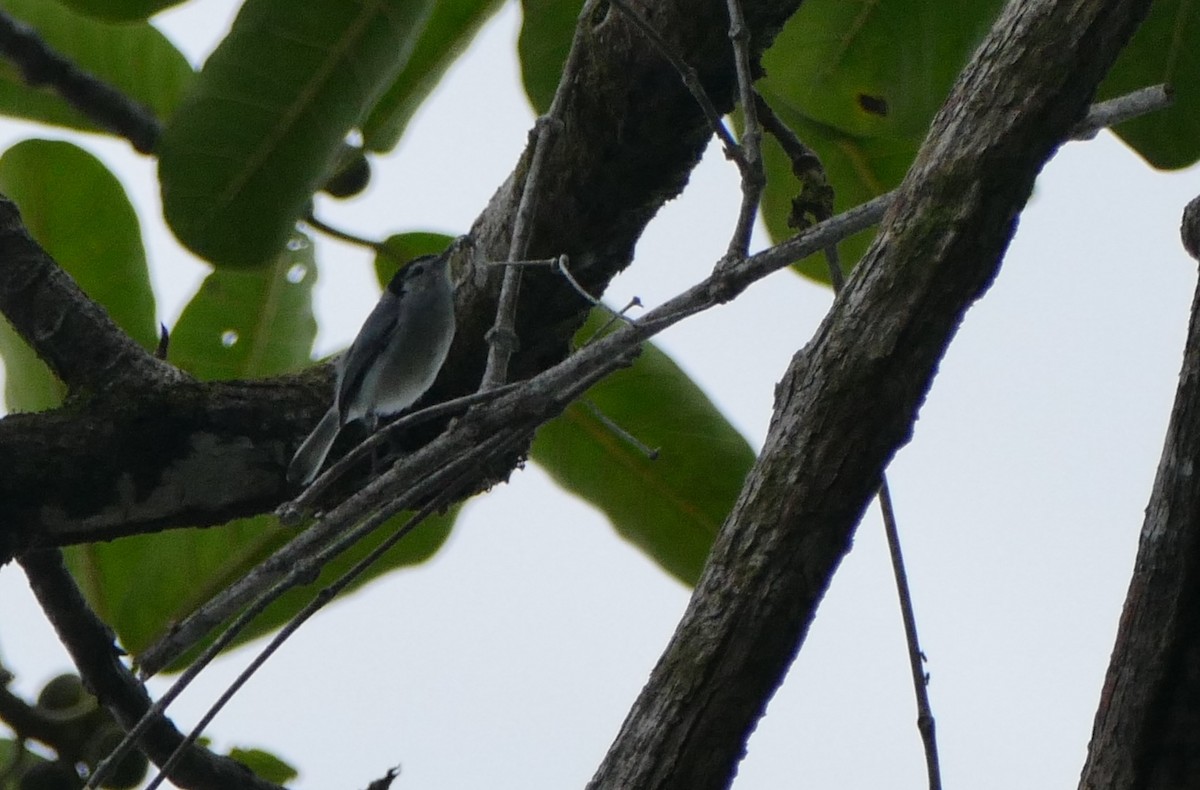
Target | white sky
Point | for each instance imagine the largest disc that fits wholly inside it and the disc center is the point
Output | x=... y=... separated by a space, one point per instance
x=509 y=661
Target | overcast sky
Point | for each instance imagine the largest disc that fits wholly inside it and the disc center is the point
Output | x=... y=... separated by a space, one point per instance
x=509 y=661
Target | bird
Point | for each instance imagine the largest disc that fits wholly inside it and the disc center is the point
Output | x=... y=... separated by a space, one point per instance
x=392 y=362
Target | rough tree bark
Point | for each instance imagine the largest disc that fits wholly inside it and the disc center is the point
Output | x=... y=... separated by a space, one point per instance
x=849 y=399
x=1147 y=728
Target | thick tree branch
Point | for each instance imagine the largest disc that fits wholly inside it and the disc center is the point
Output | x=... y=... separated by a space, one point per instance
x=849 y=400
x=1146 y=731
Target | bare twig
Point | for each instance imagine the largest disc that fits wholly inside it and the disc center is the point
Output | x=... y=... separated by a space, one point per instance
x=1122 y=108
x=651 y=453
x=691 y=80
x=98 y=101
x=291 y=512
x=351 y=522
x=753 y=177
x=502 y=337
x=378 y=247
x=916 y=658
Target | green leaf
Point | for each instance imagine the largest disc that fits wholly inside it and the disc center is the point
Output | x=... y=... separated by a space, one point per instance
x=265 y=765
x=672 y=507
x=445 y=36
x=121 y=10
x=546 y=33
x=406 y=246
x=250 y=323
x=135 y=58
x=850 y=81
x=262 y=128
x=77 y=210
x=1166 y=48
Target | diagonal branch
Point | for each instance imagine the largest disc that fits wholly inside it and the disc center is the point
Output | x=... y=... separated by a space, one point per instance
x=1145 y=732
x=849 y=400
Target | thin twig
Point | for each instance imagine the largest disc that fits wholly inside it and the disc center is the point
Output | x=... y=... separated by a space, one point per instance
x=916 y=658
x=238 y=595
x=753 y=177
x=378 y=247
x=290 y=512
x=617 y=315
x=691 y=81
x=308 y=566
x=1122 y=108
x=925 y=723
x=502 y=337
x=651 y=453
x=98 y=101
x=561 y=265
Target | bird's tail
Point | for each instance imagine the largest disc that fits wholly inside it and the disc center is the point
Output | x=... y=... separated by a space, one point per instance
x=311 y=456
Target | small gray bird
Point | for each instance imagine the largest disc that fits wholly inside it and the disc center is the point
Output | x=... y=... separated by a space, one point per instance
x=394 y=359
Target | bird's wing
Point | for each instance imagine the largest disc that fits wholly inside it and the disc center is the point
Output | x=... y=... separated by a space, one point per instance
x=366 y=348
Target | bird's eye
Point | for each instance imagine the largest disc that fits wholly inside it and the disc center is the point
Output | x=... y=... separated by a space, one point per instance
x=418 y=270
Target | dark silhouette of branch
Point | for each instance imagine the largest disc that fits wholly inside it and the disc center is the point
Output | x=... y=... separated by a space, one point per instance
x=90 y=643
x=70 y=332
x=98 y=101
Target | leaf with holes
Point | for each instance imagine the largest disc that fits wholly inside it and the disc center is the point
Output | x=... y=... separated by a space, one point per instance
x=859 y=82
x=247 y=323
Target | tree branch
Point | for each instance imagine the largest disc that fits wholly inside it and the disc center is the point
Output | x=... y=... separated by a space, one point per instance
x=1145 y=732
x=90 y=643
x=99 y=102
x=70 y=332
x=848 y=401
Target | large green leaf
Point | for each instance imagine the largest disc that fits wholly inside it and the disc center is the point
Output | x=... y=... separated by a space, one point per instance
x=547 y=29
x=266 y=118
x=76 y=209
x=247 y=323
x=1166 y=48
x=859 y=82
x=136 y=58
x=121 y=10
x=672 y=507
x=444 y=37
